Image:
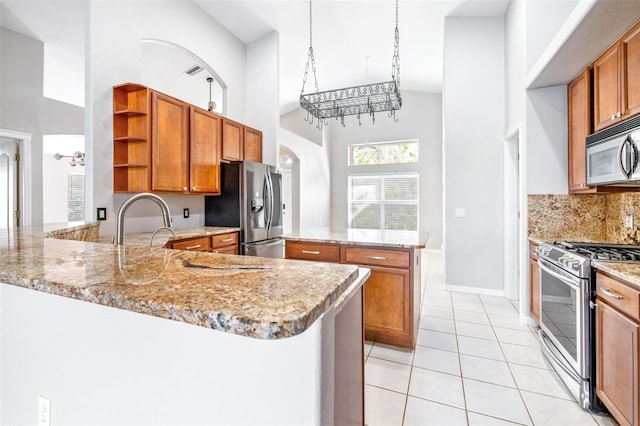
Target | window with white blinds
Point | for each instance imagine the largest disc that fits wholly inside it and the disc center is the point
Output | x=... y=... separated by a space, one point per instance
x=75 y=197
x=385 y=201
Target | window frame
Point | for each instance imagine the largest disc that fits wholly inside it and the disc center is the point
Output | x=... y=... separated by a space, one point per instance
x=353 y=146
x=382 y=203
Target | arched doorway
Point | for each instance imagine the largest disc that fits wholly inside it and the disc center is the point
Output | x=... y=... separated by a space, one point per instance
x=290 y=168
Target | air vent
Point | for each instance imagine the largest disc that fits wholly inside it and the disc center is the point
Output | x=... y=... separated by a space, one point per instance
x=193 y=70
x=622 y=127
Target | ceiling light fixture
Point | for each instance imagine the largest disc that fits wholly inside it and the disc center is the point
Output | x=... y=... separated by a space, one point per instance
x=77 y=159
x=357 y=100
x=211 y=105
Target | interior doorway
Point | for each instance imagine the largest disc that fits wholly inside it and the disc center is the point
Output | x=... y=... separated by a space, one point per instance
x=9 y=179
x=63 y=185
x=290 y=168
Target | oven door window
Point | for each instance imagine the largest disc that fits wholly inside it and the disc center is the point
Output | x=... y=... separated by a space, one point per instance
x=560 y=311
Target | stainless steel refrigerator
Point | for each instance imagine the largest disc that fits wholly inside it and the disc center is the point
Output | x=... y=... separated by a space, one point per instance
x=251 y=200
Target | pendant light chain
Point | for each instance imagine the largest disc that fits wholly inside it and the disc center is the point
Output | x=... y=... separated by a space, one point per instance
x=395 y=61
x=311 y=57
x=370 y=98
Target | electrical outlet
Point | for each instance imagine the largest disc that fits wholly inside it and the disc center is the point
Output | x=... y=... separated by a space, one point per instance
x=44 y=411
x=102 y=213
x=185 y=213
x=460 y=212
x=628 y=221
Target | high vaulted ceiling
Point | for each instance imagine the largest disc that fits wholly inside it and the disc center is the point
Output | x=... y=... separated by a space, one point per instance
x=352 y=39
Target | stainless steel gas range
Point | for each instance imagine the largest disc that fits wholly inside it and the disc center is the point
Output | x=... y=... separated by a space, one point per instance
x=567 y=317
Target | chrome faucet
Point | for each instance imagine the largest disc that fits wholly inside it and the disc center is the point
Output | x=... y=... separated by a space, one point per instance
x=166 y=215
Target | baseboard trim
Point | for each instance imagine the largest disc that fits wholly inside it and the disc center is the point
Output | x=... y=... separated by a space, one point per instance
x=475 y=290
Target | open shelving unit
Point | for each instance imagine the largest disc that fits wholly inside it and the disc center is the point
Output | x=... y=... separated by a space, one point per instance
x=131 y=138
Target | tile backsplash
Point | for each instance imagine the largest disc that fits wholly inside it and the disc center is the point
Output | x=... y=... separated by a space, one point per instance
x=592 y=217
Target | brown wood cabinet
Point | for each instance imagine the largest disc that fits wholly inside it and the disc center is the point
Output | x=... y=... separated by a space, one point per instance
x=221 y=243
x=579 y=113
x=131 y=138
x=204 y=148
x=616 y=81
x=252 y=144
x=170 y=142
x=391 y=293
x=232 y=140
x=617 y=348
x=534 y=283
x=162 y=144
x=240 y=142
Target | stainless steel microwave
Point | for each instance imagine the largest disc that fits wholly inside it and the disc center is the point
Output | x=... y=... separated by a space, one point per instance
x=613 y=155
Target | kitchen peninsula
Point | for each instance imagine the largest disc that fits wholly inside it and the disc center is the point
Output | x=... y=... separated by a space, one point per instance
x=392 y=294
x=172 y=336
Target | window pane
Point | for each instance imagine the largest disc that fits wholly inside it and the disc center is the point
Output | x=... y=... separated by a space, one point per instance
x=365 y=189
x=365 y=216
x=397 y=152
x=401 y=217
x=75 y=197
x=401 y=188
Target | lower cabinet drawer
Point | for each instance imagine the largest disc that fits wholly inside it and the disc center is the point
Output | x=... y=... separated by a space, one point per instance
x=317 y=252
x=378 y=257
x=224 y=240
x=196 y=244
x=226 y=250
x=618 y=295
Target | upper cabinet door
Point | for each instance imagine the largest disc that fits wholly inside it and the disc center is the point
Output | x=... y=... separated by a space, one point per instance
x=232 y=140
x=579 y=127
x=606 y=87
x=252 y=145
x=631 y=71
x=205 y=148
x=170 y=144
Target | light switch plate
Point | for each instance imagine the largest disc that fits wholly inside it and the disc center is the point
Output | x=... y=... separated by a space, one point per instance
x=628 y=221
x=185 y=213
x=101 y=213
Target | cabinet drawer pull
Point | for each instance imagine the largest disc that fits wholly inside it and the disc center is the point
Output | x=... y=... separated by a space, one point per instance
x=611 y=294
x=194 y=247
x=227 y=240
x=377 y=257
x=310 y=252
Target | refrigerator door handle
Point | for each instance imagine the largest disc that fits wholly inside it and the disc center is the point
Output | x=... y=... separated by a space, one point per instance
x=270 y=191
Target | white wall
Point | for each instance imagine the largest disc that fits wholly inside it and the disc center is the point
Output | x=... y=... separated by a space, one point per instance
x=263 y=102
x=115 y=30
x=104 y=366
x=546 y=133
x=543 y=20
x=420 y=118
x=23 y=107
x=515 y=57
x=474 y=120
x=295 y=121
x=314 y=182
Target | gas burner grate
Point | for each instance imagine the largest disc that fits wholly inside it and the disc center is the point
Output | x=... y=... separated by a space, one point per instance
x=603 y=251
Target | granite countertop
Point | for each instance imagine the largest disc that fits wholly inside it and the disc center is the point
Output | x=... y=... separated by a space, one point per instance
x=366 y=237
x=250 y=296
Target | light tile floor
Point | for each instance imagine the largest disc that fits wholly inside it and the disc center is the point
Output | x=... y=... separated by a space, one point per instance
x=474 y=364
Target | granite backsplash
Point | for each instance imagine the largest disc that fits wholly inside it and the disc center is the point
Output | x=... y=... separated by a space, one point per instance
x=589 y=217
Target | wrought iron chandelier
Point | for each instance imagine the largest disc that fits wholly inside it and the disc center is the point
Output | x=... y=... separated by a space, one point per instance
x=357 y=100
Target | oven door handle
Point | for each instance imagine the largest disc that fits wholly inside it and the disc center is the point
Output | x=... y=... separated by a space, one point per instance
x=541 y=264
x=558 y=361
